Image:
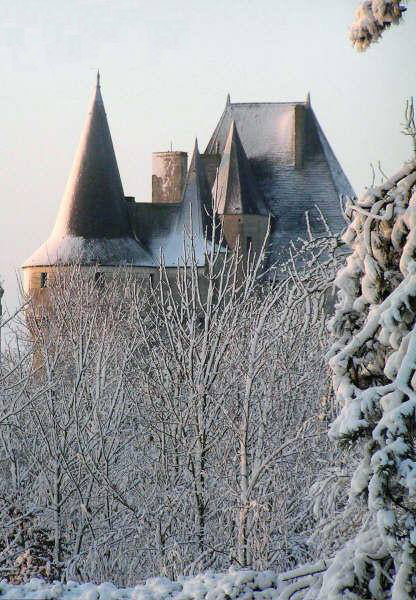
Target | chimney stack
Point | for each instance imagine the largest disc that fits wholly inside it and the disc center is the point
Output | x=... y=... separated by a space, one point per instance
x=299 y=115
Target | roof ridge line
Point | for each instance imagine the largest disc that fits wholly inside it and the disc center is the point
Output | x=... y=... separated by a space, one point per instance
x=259 y=102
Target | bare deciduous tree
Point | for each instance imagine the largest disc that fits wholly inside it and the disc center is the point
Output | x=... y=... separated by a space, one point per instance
x=172 y=427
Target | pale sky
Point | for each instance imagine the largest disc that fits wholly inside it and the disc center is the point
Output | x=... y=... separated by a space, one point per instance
x=166 y=68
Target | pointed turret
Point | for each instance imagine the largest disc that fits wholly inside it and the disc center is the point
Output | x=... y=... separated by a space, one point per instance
x=235 y=190
x=92 y=226
x=193 y=220
x=294 y=167
x=237 y=200
x=197 y=199
x=228 y=102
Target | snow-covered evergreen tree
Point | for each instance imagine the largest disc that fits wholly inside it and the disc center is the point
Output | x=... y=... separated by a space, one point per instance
x=373 y=361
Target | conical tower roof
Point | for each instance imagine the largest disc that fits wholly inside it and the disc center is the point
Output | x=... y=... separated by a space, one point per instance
x=235 y=189
x=92 y=226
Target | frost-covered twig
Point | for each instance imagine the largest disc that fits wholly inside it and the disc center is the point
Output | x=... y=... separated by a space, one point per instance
x=154 y=423
x=409 y=126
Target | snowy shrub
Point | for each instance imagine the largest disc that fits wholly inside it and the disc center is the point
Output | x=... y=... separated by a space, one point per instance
x=25 y=548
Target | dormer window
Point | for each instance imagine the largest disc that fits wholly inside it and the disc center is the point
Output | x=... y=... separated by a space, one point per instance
x=43 y=280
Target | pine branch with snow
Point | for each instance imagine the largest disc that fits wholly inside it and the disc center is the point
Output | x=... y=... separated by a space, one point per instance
x=372 y=18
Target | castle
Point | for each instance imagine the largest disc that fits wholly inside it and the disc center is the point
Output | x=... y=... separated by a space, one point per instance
x=264 y=161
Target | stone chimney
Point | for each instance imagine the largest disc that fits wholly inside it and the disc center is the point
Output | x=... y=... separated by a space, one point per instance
x=299 y=114
x=169 y=171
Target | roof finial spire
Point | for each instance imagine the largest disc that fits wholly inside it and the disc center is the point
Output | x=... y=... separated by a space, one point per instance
x=98 y=77
x=308 y=99
x=228 y=100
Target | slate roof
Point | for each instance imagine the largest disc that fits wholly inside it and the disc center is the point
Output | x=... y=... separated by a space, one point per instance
x=235 y=189
x=259 y=173
x=93 y=226
x=266 y=130
x=153 y=223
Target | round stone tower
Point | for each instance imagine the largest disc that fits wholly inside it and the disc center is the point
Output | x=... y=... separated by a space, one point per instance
x=92 y=228
x=169 y=171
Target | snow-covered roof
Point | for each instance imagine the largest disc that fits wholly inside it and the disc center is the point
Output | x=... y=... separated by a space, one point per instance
x=93 y=224
x=267 y=133
x=174 y=230
x=235 y=189
x=109 y=252
x=259 y=174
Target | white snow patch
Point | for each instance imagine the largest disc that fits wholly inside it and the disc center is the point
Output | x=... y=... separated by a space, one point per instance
x=247 y=584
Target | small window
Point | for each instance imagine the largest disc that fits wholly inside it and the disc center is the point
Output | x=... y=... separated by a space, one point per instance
x=151 y=279
x=43 y=280
x=99 y=279
x=249 y=240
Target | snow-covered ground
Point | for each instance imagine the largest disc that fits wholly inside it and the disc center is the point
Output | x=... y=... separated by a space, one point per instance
x=238 y=584
x=244 y=585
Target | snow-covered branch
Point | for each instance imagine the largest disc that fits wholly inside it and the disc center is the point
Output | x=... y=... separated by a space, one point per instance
x=372 y=18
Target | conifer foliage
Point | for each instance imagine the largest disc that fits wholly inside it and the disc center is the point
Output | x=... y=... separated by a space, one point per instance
x=372 y=18
x=373 y=361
